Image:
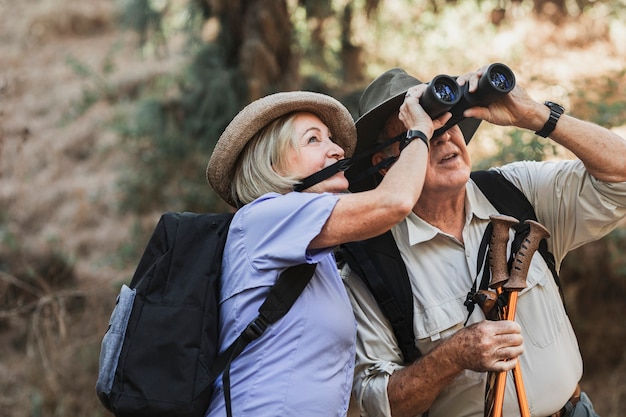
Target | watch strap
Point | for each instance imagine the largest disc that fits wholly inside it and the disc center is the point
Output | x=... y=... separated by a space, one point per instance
x=556 y=110
x=414 y=134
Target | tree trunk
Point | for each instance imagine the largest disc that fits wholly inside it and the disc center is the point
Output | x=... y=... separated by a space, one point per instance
x=262 y=34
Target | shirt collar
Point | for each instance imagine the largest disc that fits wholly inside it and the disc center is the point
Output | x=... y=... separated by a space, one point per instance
x=476 y=205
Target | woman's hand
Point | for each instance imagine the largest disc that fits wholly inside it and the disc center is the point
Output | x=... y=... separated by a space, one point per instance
x=413 y=115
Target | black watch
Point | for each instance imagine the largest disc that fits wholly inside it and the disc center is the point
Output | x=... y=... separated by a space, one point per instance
x=556 y=110
x=413 y=134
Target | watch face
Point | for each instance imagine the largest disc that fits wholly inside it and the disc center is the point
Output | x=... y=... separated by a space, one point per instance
x=555 y=106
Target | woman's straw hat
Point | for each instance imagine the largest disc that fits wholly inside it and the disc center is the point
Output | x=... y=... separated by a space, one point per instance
x=260 y=113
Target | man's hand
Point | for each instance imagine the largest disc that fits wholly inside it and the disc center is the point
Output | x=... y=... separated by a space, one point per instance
x=481 y=347
x=603 y=152
x=488 y=346
x=516 y=108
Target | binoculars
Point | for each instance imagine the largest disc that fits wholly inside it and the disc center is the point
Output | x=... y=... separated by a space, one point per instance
x=444 y=94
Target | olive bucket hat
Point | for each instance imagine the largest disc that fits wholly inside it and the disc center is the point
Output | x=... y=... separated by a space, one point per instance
x=380 y=99
x=258 y=114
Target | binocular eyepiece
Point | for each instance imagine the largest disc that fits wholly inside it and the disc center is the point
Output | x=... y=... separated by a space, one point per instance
x=444 y=94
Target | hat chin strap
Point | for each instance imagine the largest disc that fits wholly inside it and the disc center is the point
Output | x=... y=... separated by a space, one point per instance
x=344 y=164
x=323 y=174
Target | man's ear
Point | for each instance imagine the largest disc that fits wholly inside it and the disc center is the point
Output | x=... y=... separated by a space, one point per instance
x=377 y=158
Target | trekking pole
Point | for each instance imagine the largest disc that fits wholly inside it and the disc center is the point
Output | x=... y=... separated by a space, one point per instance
x=516 y=283
x=494 y=400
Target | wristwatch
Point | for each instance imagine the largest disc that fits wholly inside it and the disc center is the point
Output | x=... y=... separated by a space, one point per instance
x=556 y=110
x=412 y=134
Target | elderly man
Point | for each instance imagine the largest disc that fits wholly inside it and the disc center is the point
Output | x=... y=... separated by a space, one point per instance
x=578 y=201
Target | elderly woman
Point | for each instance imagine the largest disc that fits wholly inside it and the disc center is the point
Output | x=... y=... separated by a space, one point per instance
x=303 y=364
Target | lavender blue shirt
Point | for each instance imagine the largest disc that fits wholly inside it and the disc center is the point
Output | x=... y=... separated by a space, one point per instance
x=303 y=364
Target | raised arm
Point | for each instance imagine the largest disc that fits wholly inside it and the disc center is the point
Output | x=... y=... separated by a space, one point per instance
x=370 y=213
x=602 y=151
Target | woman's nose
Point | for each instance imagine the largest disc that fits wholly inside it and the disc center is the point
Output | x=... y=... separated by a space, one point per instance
x=336 y=151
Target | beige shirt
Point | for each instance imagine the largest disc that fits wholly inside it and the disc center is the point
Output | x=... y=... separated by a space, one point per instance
x=575 y=207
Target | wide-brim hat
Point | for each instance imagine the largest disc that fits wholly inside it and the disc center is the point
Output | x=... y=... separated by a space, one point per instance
x=380 y=99
x=258 y=114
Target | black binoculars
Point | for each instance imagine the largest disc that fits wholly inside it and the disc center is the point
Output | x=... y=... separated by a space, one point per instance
x=444 y=94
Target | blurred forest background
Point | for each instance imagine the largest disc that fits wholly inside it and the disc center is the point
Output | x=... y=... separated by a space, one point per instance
x=109 y=111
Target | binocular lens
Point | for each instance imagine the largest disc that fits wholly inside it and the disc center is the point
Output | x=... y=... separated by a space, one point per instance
x=500 y=80
x=445 y=92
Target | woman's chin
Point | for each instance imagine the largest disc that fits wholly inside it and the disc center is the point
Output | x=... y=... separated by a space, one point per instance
x=332 y=185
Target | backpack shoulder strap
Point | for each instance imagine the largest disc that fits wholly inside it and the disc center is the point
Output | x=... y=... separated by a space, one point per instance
x=377 y=261
x=509 y=200
x=283 y=294
x=503 y=195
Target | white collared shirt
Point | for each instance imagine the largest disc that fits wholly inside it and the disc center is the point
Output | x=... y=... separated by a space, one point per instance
x=575 y=207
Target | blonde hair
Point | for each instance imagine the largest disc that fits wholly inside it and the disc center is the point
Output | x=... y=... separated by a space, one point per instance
x=260 y=166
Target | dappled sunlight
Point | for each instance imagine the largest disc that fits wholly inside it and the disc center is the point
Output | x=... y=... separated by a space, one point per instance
x=68 y=77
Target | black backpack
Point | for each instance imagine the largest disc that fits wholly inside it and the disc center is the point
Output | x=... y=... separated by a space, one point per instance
x=159 y=356
x=377 y=261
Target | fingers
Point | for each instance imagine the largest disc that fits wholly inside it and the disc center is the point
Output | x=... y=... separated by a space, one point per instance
x=472 y=78
x=415 y=92
x=442 y=120
x=489 y=346
x=505 y=356
x=411 y=112
x=504 y=365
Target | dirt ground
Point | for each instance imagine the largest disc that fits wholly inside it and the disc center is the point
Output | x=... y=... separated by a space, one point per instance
x=58 y=173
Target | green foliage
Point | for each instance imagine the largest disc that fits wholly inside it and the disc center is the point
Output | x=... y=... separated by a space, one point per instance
x=517 y=146
x=602 y=100
x=98 y=86
x=8 y=240
x=130 y=251
x=171 y=135
x=141 y=16
x=145 y=18
x=616 y=245
x=172 y=138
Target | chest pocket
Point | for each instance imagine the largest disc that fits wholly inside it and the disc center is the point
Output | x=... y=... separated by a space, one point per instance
x=540 y=311
x=434 y=322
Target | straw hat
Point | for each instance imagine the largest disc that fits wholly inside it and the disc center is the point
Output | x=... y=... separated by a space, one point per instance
x=379 y=100
x=258 y=114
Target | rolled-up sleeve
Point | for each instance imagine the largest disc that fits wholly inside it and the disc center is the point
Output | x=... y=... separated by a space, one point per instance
x=377 y=353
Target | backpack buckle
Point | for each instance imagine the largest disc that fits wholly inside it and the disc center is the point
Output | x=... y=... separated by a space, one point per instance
x=256 y=328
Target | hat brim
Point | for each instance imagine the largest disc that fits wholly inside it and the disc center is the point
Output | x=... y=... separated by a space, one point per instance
x=369 y=126
x=258 y=114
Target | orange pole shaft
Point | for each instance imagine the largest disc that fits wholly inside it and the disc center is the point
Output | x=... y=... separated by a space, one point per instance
x=521 y=391
x=517 y=371
x=511 y=306
x=498 y=401
x=500 y=384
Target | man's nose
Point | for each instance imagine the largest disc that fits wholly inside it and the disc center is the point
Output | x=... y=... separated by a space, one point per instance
x=443 y=138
